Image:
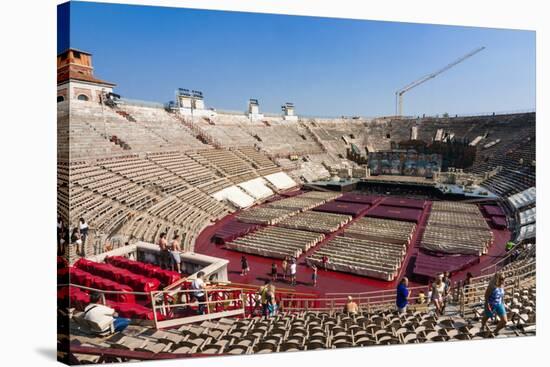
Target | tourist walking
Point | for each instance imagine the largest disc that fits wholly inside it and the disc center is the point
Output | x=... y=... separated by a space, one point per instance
x=438 y=292
x=293 y=272
x=284 y=267
x=271 y=301
x=273 y=271
x=351 y=307
x=325 y=261
x=262 y=293
x=198 y=286
x=245 y=268
x=83 y=227
x=403 y=294
x=314 y=275
x=77 y=240
x=494 y=304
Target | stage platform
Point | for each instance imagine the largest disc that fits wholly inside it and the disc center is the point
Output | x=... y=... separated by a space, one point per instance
x=400 y=180
x=342 y=185
x=404 y=202
x=469 y=192
x=340 y=207
x=396 y=213
x=358 y=198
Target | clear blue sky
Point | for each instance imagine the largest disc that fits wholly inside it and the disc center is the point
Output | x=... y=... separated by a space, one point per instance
x=325 y=66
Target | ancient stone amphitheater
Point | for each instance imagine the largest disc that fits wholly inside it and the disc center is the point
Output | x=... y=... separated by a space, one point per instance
x=135 y=171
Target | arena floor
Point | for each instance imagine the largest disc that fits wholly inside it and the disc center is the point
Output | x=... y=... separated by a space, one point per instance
x=330 y=281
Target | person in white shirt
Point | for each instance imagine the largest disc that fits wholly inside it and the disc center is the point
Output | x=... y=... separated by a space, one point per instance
x=438 y=293
x=77 y=239
x=83 y=229
x=104 y=316
x=83 y=226
x=199 y=286
x=293 y=272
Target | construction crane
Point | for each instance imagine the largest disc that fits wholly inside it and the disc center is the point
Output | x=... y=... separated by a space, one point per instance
x=416 y=83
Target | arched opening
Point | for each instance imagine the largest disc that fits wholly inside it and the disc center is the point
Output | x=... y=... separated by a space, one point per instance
x=82 y=97
x=60 y=99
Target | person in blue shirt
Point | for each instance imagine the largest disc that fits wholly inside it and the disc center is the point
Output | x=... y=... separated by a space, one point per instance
x=403 y=293
x=494 y=303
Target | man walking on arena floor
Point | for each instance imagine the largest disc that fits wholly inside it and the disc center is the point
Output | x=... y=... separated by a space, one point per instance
x=293 y=272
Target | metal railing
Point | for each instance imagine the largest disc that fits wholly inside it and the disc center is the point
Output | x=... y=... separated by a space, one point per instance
x=217 y=303
x=522 y=275
x=367 y=301
x=473 y=295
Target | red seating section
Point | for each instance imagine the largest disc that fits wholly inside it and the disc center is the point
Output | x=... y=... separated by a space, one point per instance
x=81 y=277
x=165 y=277
x=118 y=274
x=134 y=311
x=77 y=297
x=80 y=299
x=136 y=282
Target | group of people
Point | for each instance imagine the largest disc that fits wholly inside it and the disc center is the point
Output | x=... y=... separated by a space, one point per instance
x=289 y=268
x=77 y=236
x=170 y=252
x=440 y=293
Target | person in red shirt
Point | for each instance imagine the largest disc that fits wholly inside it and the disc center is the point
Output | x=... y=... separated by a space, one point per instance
x=324 y=260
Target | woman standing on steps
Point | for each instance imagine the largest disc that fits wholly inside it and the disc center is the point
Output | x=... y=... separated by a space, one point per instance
x=494 y=303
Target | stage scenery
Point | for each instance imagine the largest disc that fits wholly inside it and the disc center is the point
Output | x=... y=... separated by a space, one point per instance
x=237 y=183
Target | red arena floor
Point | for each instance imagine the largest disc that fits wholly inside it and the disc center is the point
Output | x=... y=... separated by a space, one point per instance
x=329 y=281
